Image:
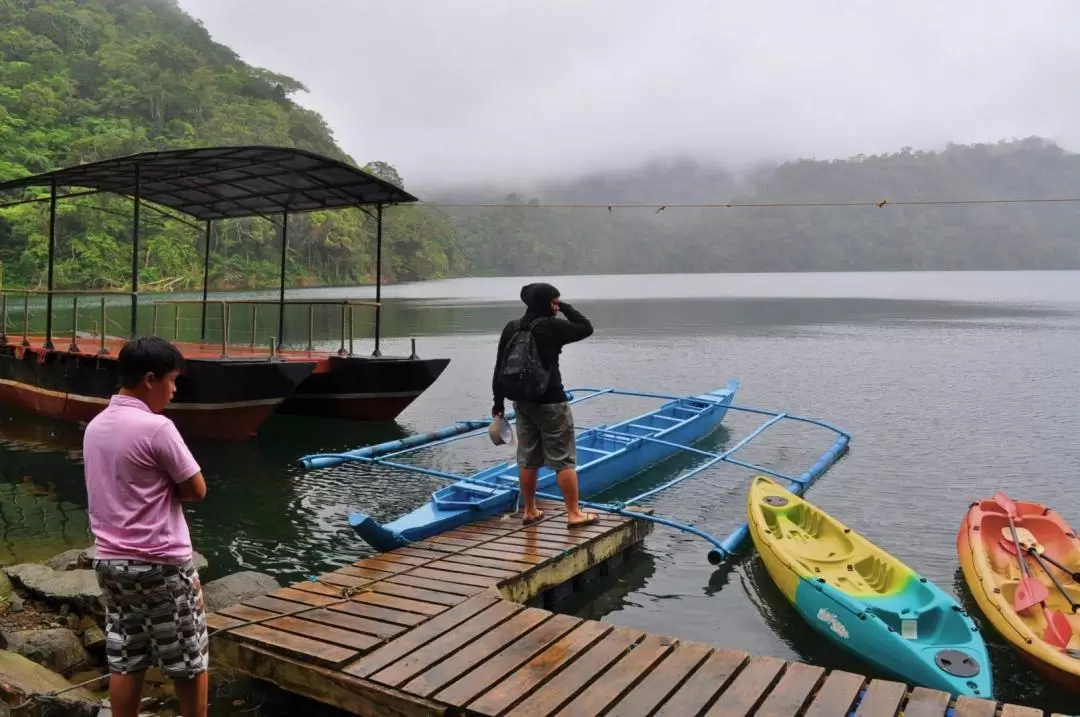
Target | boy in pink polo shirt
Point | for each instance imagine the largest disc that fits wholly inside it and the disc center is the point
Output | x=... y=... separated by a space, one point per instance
x=138 y=470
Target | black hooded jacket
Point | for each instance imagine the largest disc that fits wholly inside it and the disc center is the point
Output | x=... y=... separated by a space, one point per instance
x=551 y=334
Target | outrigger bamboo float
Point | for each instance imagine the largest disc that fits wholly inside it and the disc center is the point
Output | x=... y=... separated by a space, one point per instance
x=608 y=455
x=863 y=599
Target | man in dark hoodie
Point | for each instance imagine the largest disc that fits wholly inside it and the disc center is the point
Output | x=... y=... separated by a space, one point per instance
x=545 y=426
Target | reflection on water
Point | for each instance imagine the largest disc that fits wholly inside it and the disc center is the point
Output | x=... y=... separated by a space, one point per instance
x=952 y=385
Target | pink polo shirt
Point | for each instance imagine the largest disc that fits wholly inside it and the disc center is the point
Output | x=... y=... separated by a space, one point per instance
x=133 y=459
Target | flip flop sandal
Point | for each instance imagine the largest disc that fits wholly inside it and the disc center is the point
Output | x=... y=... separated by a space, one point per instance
x=535 y=519
x=590 y=518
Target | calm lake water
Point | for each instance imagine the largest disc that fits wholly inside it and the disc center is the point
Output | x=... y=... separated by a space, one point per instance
x=953 y=385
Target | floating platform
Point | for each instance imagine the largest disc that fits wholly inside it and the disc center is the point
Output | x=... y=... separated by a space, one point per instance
x=458 y=625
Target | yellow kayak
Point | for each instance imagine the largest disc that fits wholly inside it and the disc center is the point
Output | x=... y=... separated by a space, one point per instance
x=863 y=599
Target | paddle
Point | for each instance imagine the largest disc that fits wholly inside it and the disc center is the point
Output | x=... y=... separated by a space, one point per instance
x=1029 y=542
x=1031 y=592
x=1031 y=545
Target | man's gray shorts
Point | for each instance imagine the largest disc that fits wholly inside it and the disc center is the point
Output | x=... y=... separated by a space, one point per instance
x=545 y=434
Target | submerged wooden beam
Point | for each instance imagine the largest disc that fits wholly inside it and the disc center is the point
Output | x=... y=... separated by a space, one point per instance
x=442 y=627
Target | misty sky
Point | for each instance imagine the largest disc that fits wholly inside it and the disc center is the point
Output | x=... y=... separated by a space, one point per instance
x=453 y=91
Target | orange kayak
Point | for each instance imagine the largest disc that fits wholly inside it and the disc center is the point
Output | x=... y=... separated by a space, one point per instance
x=991 y=567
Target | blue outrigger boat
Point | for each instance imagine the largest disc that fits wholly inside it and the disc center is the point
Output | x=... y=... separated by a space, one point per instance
x=607 y=456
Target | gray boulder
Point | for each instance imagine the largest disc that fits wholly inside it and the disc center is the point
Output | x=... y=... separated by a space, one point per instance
x=21 y=679
x=77 y=559
x=59 y=649
x=78 y=588
x=231 y=589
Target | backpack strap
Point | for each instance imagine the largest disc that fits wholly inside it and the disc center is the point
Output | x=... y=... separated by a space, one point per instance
x=523 y=327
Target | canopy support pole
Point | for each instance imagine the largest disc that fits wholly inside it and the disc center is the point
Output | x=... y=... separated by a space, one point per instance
x=205 y=277
x=135 y=255
x=52 y=264
x=378 y=275
x=281 y=287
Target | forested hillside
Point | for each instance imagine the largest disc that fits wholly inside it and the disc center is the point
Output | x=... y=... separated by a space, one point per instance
x=82 y=80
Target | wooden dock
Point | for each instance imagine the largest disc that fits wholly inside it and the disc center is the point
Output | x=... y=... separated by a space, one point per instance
x=456 y=625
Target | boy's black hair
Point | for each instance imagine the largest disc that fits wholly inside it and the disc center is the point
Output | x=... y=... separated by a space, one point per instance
x=147 y=354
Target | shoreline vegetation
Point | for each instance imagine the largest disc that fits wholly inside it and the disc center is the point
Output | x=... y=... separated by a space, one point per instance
x=81 y=82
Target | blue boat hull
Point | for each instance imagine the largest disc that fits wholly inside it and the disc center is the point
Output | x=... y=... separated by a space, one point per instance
x=607 y=456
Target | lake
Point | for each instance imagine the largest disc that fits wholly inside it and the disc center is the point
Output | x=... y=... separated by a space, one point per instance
x=952 y=384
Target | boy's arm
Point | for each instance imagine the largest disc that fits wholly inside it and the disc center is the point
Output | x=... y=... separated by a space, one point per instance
x=575 y=328
x=173 y=456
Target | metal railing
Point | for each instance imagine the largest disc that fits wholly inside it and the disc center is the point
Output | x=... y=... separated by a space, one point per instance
x=30 y=302
x=102 y=295
x=225 y=308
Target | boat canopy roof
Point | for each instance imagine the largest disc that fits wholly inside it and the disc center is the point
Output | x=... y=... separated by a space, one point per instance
x=228 y=182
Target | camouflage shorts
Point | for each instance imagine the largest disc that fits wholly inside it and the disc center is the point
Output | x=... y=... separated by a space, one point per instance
x=153 y=616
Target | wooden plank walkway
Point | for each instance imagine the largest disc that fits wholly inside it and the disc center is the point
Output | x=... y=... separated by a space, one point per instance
x=452 y=626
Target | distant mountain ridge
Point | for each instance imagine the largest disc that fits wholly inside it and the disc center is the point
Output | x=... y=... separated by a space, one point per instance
x=987 y=236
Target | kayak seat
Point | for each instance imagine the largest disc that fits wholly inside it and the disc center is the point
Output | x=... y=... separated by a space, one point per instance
x=809 y=537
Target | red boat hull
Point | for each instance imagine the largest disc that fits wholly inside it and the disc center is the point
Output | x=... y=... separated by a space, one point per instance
x=218 y=399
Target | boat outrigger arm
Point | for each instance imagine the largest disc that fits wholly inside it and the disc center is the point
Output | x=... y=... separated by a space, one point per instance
x=498 y=486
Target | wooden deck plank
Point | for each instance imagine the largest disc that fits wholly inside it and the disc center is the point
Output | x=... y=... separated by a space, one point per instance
x=519 y=684
x=501 y=664
x=441 y=575
x=441 y=586
x=325 y=633
x=431 y=681
x=419 y=594
x=971 y=707
x=403 y=670
x=1020 y=711
x=514 y=568
x=217 y=621
x=531 y=559
x=420 y=636
x=609 y=687
x=265 y=602
x=375 y=612
x=541 y=540
x=478 y=567
x=792 y=691
x=398 y=603
x=652 y=691
x=304 y=596
x=313 y=624
x=343 y=580
x=836 y=695
x=926 y=703
x=714 y=675
x=748 y=689
x=882 y=698
x=416 y=554
x=568 y=683
x=287 y=643
x=310 y=586
x=365 y=573
x=244 y=613
x=514 y=551
x=447 y=544
x=384 y=566
x=345 y=621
